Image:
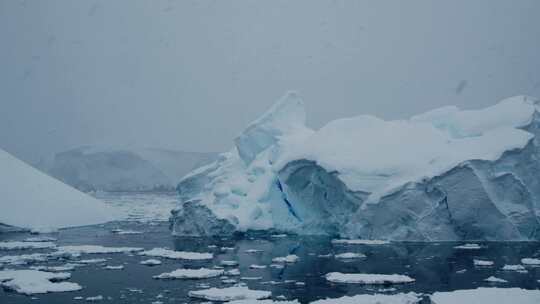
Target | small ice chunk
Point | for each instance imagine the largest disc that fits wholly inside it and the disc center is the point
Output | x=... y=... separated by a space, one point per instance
x=267 y=301
x=15 y=245
x=94 y=299
x=111 y=267
x=180 y=255
x=518 y=268
x=291 y=258
x=233 y=272
x=66 y=267
x=530 y=261
x=33 y=281
x=150 y=262
x=487 y=295
x=493 y=279
x=40 y=239
x=230 y=294
x=96 y=249
x=350 y=255
x=277 y=236
x=251 y=278
x=253 y=266
x=228 y=281
x=483 y=263
x=360 y=242
x=277 y=266
x=400 y=298
x=92 y=261
x=125 y=232
x=368 y=278
x=201 y=273
x=229 y=263
x=468 y=247
x=253 y=251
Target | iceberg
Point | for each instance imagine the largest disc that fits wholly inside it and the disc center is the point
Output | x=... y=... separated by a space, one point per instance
x=32 y=200
x=445 y=175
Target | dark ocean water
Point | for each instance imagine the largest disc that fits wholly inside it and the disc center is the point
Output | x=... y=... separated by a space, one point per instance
x=435 y=266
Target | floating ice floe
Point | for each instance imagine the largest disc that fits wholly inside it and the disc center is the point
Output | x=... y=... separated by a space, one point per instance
x=230 y=294
x=359 y=242
x=530 y=262
x=15 y=245
x=92 y=261
x=483 y=263
x=201 y=273
x=277 y=266
x=125 y=232
x=40 y=239
x=96 y=249
x=291 y=258
x=114 y=267
x=228 y=263
x=233 y=272
x=267 y=301
x=487 y=295
x=150 y=262
x=518 y=268
x=468 y=247
x=250 y=278
x=33 y=281
x=253 y=251
x=400 y=298
x=367 y=278
x=493 y=279
x=24 y=258
x=253 y=266
x=94 y=298
x=66 y=267
x=180 y=255
x=350 y=255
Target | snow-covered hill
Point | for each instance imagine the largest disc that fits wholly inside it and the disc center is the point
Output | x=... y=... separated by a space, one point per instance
x=31 y=199
x=121 y=169
x=447 y=174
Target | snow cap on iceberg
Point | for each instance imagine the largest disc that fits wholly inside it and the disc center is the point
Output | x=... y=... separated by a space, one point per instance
x=285 y=115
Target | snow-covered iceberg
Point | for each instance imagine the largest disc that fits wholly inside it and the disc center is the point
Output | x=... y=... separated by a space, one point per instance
x=447 y=174
x=31 y=199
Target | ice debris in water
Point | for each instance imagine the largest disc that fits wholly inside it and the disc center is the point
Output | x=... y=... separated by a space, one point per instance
x=483 y=263
x=359 y=242
x=291 y=258
x=201 y=273
x=493 y=279
x=487 y=295
x=518 y=268
x=150 y=262
x=33 y=281
x=114 y=267
x=350 y=255
x=400 y=298
x=15 y=245
x=367 y=278
x=230 y=294
x=180 y=255
x=530 y=261
x=469 y=247
x=96 y=249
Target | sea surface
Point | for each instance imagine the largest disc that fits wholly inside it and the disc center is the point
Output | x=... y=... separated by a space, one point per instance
x=434 y=266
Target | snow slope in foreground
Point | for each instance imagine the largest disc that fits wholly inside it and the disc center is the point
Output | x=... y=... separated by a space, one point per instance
x=447 y=174
x=31 y=199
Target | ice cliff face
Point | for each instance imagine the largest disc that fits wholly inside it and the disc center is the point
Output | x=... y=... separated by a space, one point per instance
x=447 y=174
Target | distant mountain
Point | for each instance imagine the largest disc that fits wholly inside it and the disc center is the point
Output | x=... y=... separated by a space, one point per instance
x=92 y=168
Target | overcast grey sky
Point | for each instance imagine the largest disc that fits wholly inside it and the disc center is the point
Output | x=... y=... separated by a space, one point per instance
x=191 y=74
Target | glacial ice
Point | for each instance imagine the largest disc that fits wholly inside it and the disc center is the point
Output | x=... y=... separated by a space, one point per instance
x=447 y=174
x=33 y=200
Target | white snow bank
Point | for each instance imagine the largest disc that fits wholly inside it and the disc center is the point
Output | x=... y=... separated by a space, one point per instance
x=201 y=273
x=487 y=295
x=181 y=255
x=362 y=149
x=14 y=245
x=360 y=242
x=32 y=281
x=368 y=278
x=291 y=258
x=230 y=294
x=95 y=249
x=400 y=298
x=33 y=200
